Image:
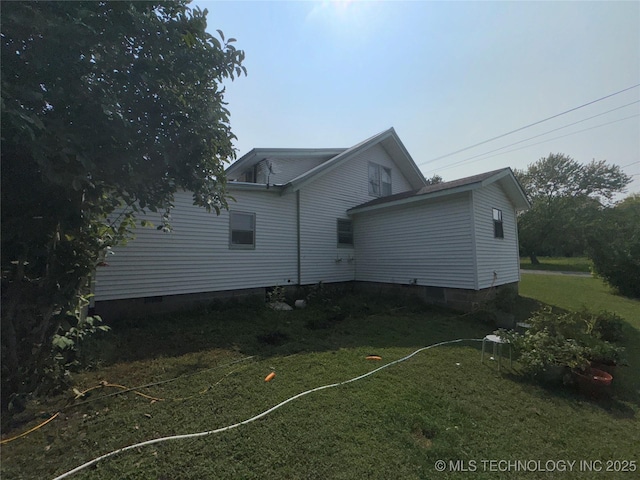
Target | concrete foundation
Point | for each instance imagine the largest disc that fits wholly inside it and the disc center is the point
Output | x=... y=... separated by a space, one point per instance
x=114 y=309
x=456 y=298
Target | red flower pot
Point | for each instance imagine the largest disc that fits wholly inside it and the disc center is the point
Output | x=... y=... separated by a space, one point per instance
x=593 y=382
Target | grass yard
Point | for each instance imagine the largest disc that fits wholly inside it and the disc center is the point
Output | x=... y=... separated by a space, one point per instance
x=441 y=404
x=558 y=264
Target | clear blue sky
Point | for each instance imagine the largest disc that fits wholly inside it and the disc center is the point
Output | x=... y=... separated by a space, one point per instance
x=445 y=75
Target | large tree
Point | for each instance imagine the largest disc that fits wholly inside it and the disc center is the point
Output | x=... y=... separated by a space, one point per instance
x=105 y=105
x=566 y=197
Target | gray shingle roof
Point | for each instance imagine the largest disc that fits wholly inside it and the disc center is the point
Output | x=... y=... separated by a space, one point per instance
x=432 y=188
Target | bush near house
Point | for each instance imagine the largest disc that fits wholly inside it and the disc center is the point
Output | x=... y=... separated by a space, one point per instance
x=568 y=341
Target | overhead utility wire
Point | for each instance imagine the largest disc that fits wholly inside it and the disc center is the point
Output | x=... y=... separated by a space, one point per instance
x=629 y=164
x=528 y=126
x=533 y=144
x=540 y=135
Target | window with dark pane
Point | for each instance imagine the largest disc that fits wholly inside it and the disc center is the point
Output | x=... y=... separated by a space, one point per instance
x=374 y=180
x=242 y=230
x=345 y=232
x=498 y=229
x=379 y=180
x=385 y=178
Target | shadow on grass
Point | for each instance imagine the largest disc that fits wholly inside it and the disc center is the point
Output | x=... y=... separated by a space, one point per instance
x=342 y=320
x=249 y=328
x=614 y=401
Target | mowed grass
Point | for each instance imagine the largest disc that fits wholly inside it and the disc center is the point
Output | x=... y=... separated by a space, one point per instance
x=441 y=404
x=558 y=264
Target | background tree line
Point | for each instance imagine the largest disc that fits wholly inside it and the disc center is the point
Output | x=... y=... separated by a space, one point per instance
x=573 y=214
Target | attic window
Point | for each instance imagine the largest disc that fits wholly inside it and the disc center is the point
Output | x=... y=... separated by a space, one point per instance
x=498 y=230
x=379 y=180
x=249 y=175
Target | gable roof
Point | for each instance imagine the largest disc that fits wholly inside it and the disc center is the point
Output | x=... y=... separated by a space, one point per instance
x=504 y=177
x=388 y=139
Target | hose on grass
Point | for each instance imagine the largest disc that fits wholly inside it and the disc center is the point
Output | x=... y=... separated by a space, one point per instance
x=260 y=415
x=23 y=434
x=161 y=382
x=124 y=389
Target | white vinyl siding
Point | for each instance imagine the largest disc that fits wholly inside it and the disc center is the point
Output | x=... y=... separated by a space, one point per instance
x=495 y=254
x=195 y=257
x=428 y=242
x=328 y=198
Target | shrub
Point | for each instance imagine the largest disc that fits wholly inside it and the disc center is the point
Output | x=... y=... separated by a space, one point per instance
x=616 y=257
x=569 y=340
x=608 y=326
x=541 y=351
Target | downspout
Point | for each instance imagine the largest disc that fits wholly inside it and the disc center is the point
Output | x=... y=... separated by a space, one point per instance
x=474 y=245
x=298 y=235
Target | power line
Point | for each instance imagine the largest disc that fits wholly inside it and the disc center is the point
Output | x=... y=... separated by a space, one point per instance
x=540 y=135
x=528 y=126
x=537 y=143
x=629 y=164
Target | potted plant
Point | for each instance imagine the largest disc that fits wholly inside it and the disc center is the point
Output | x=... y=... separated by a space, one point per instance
x=592 y=381
x=605 y=356
x=546 y=356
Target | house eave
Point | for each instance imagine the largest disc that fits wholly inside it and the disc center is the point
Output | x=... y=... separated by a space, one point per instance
x=413 y=199
x=254 y=187
x=388 y=139
x=256 y=154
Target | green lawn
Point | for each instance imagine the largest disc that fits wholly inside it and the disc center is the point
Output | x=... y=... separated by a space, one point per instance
x=441 y=404
x=573 y=293
x=555 y=264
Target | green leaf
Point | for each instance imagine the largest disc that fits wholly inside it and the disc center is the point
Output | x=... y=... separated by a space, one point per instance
x=61 y=342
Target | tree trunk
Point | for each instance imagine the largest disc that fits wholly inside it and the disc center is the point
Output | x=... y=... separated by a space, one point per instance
x=534 y=259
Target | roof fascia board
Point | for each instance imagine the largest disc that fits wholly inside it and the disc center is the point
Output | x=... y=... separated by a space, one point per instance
x=309 y=176
x=413 y=166
x=495 y=177
x=415 y=199
x=256 y=187
x=328 y=166
x=281 y=152
x=521 y=203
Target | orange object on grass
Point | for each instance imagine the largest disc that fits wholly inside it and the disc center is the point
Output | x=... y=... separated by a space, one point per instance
x=374 y=357
x=270 y=377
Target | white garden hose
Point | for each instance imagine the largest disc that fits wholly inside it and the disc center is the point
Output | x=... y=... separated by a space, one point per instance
x=263 y=414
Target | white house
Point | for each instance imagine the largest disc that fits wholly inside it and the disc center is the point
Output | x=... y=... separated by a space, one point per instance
x=302 y=216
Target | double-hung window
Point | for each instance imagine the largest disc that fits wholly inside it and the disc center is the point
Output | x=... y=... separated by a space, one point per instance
x=498 y=228
x=379 y=180
x=345 y=233
x=242 y=230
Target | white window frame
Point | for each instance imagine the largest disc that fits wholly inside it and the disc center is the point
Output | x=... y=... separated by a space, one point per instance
x=343 y=222
x=242 y=246
x=498 y=220
x=375 y=177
